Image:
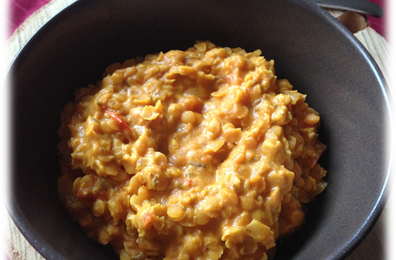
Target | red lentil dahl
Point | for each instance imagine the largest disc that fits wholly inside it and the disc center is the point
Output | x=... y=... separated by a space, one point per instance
x=197 y=154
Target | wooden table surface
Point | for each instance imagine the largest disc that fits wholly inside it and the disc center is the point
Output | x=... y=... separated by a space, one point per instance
x=17 y=248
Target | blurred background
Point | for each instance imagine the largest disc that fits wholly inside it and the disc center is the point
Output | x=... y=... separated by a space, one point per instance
x=22 y=9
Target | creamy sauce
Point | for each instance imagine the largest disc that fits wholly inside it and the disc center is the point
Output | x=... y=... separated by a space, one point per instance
x=197 y=154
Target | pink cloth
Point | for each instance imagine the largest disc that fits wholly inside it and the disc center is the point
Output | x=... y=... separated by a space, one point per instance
x=379 y=24
x=22 y=9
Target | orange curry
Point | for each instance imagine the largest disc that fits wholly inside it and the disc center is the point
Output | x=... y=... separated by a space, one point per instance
x=197 y=154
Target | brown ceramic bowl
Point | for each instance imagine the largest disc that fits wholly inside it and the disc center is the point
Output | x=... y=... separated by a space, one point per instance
x=310 y=48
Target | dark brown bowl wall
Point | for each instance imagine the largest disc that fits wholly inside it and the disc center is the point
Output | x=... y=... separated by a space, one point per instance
x=310 y=48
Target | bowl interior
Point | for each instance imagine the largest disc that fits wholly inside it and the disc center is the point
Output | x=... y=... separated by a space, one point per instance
x=318 y=56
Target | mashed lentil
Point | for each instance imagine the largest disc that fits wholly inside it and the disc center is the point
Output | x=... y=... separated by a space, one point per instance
x=197 y=154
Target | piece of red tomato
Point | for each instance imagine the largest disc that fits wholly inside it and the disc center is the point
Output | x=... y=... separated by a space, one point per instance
x=120 y=121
